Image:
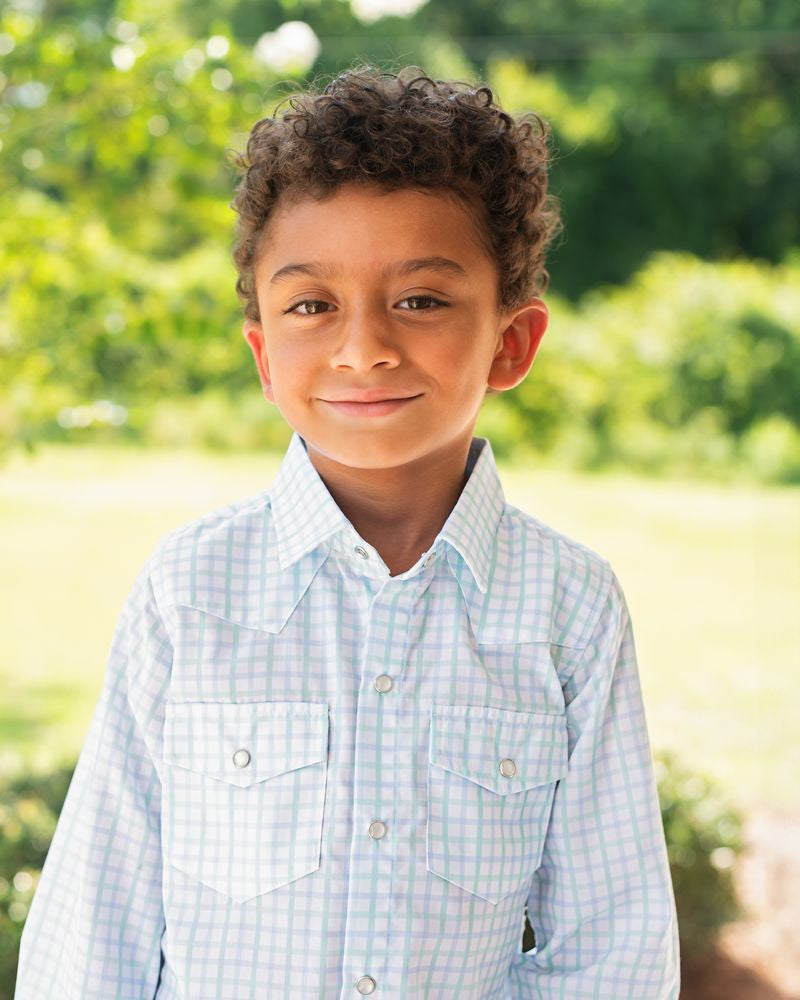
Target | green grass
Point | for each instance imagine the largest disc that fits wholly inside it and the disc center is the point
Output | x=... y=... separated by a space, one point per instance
x=711 y=575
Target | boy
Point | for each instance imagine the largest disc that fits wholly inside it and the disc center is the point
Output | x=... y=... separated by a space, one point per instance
x=353 y=725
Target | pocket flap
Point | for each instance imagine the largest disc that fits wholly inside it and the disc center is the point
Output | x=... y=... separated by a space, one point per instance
x=245 y=742
x=473 y=741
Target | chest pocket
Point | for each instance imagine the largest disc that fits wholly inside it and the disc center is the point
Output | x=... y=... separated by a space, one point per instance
x=244 y=792
x=492 y=775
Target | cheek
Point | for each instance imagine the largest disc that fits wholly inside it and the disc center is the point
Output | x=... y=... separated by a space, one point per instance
x=289 y=361
x=460 y=365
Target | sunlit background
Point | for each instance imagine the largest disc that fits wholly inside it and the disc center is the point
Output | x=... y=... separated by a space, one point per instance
x=660 y=424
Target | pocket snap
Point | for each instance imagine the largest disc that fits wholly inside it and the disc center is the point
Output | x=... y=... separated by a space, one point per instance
x=492 y=775
x=244 y=792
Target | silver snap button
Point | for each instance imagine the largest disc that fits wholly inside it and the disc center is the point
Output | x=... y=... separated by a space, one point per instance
x=366 y=985
x=508 y=768
x=377 y=829
x=383 y=683
x=361 y=551
x=241 y=758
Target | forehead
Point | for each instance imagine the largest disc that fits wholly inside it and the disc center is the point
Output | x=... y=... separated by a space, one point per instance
x=360 y=224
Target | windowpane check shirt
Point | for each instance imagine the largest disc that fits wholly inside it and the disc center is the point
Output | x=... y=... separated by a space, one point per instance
x=306 y=778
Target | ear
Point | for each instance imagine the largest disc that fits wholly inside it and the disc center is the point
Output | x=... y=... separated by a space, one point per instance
x=254 y=335
x=519 y=335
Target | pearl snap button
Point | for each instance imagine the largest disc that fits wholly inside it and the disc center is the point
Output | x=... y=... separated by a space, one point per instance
x=428 y=560
x=366 y=985
x=361 y=551
x=241 y=758
x=377 y=829
x=508 y=768
x=383 y=683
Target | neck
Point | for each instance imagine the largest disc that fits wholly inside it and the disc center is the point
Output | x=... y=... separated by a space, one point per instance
x=398 y=510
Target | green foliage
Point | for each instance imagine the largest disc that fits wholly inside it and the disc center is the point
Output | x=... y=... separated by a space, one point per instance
x=673 y=122
x=690 y=367
x=86 y=318
x=29 y=810
x=115 y=228
x=703 y=837
x=126 y=126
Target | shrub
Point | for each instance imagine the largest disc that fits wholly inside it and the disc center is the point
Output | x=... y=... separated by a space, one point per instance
x=29 y=809
x=690 y=367
x=703 y=836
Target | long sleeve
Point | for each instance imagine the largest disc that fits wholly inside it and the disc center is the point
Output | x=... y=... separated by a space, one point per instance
x=95 y=924
x=601 y=904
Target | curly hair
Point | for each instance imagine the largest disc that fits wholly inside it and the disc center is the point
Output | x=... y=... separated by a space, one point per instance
x=404 y=130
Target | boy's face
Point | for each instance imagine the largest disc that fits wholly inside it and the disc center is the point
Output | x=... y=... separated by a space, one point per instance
x=391 y=294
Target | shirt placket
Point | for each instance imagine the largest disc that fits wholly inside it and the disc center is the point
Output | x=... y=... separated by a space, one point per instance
x=379 y=844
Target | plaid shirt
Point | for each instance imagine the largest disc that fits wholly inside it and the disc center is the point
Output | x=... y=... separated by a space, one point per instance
x=306 y=778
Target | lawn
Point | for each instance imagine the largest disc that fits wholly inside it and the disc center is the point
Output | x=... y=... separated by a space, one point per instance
x=711 y=575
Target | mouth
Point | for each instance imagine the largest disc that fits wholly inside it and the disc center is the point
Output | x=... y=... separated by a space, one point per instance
x=374 y=409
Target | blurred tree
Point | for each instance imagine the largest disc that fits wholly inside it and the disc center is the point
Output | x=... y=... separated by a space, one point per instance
x=675 y=123
x=127 y=123
x=698 y=134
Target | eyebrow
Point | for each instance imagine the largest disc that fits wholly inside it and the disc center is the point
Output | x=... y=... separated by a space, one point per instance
x=315 y=269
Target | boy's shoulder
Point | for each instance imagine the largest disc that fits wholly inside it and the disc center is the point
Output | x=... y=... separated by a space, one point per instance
x=213 y=527
x=567 y=550
x=545 y=586
x=206 y=555
x=563 y=584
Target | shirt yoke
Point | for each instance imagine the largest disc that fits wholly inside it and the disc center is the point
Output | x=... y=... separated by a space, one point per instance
x=544 y=585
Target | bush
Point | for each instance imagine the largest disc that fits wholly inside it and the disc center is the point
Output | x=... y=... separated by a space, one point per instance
x=691 y=367
x=29 y=810
x=703 y=836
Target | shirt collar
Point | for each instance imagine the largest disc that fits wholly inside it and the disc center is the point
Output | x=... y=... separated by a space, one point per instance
x=305 y=515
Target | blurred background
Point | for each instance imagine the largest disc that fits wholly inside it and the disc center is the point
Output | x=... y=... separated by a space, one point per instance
x=660 y=424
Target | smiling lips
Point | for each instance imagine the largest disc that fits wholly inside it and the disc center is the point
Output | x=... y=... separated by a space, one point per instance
x=371 y=396
x=371 y=403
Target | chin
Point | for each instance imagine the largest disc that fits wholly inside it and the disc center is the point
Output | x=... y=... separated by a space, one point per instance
x=363 y=453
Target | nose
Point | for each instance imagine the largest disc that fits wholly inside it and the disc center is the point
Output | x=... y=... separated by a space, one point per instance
x=364 y=341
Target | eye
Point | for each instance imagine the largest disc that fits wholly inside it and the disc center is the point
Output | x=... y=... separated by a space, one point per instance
x=421 y=303
x=313 y=307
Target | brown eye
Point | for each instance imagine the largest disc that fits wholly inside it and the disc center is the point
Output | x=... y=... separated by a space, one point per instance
x=419 y=303
x=309 y=307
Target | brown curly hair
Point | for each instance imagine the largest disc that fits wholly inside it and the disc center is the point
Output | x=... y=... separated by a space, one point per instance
x=404 y=130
